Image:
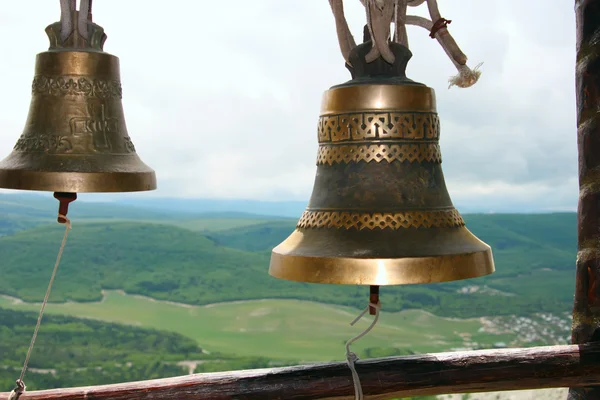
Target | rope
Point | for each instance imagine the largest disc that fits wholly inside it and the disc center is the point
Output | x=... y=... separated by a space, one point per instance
x=380 y=15
x=401 y=35
x=66 y=17
x=351 y=357
x=85 y=7
x=439 y=24
x=20 y=388
x=345 y=38
x=466 y=76
x=434 y=10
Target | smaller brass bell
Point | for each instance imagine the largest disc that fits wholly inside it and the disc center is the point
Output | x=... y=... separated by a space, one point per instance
x=75 y=138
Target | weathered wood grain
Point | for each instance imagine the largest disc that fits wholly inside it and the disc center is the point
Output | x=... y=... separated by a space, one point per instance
x=586 y=309
x=384 y=378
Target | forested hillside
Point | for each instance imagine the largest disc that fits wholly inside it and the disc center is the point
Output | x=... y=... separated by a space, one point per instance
x=534 y=257
x=76 y=352
x=201 y=259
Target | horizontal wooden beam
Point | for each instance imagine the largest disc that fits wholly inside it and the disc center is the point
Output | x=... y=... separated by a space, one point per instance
x=383 y=378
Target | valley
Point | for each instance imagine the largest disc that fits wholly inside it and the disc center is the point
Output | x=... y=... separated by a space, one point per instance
x=303 y=331
x=203 y=278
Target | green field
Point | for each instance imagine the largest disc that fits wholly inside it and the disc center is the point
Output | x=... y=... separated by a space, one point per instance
x=78 y=352
x=217 y=264
x=167 y=262
x=18 y=212
x=279 y=329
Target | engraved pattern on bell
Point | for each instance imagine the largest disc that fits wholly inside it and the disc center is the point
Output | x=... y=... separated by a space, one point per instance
x=380 y=125
x=411 y=152
x=400 y=220
x=94 y=131
x=74 y=85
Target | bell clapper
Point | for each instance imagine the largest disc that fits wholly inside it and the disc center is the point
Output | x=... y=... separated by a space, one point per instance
x=373 y=299
x=63 y=207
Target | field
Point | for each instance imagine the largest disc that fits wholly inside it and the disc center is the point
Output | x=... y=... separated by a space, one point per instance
x=279 y=329
x=180 y=277
x=202 y=267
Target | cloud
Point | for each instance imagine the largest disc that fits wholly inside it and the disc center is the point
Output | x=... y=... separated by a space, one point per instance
x=222 y=98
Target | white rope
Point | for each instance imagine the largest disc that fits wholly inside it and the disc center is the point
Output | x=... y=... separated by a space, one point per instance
x=454 y=53
x=345 y=38
x=82 y=24
x=66 y=18
x=82 y=19
x=434 y=10
x=351 y=357
x=20 y=388
x=466 y=77
x=401 y=35
x=380 y=15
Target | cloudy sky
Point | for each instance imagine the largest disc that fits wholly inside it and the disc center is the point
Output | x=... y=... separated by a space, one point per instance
x=222 y=97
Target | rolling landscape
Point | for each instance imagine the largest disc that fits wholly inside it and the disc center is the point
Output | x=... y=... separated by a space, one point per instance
x=146 y=292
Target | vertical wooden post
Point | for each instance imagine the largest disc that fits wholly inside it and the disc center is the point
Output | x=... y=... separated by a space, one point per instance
x=586 y=309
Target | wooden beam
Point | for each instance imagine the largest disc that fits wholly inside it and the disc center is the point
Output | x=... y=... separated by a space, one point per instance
x=586 y=309
x=384 y=378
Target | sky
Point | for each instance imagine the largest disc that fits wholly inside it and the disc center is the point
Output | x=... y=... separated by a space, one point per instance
x=222 y=98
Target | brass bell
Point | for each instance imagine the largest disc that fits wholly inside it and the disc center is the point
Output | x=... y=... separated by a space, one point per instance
x=75 y=138
x=380 y=213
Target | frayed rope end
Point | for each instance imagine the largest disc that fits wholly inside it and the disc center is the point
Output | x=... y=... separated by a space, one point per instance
x=466 y=77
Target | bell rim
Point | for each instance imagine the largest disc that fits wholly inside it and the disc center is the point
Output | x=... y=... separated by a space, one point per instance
x=78 y=182
x=346 y=270
x=473 y=265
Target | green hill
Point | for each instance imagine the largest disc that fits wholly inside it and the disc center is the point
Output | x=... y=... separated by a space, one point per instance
x=75 y=352
x=286 y=330
x=534 y=255
x=23 y=211
x=261 y=237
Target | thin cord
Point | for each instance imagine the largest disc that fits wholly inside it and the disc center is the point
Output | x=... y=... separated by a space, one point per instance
x=351 y=357
x=20 y=388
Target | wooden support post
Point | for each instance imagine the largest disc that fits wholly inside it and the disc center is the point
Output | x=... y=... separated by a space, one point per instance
x=384 y=378
x=586 y=309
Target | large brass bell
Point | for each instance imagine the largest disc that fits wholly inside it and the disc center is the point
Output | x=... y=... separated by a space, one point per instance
x=75 y=138
x=380 y=213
